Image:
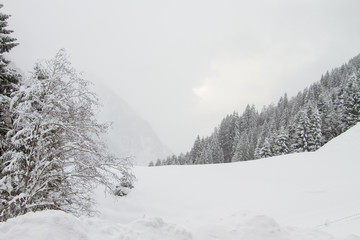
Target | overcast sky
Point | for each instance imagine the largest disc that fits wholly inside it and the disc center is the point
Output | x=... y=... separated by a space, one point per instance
x=183 y=65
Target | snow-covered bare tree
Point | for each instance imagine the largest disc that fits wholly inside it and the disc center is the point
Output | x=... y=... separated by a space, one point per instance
x=55 y=156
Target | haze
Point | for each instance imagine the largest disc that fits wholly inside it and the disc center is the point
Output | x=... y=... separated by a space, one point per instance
x=184 y=65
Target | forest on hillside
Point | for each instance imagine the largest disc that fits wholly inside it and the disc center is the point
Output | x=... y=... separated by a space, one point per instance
x=303 y=123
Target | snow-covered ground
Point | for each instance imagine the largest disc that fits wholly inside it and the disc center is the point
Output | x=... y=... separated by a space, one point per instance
x=307 y=196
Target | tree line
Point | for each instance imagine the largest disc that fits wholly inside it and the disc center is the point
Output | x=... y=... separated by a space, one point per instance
x=303 y=123
x=51 y=153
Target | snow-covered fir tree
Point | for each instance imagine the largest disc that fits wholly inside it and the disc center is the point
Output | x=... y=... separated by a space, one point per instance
x=281 y=143
x=217 y=152
x=196 y=151
x=307 y=130
x=266 y=150
x=351 y=101
x=205 y=156
x=242 y=152
x=9 y=79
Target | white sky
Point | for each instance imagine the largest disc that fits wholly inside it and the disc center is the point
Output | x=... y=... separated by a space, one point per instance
x=183 y=65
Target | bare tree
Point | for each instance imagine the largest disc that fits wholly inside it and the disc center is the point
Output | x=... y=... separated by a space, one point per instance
x=56 y=157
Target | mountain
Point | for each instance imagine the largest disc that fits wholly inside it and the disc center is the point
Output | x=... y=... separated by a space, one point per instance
x=129 y=134
x=303 y=123
x=316 y=193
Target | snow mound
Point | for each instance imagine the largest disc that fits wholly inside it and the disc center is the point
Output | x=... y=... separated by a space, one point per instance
x=241 y=225
x=156 y=228
x=57 y=225
x=44 y=225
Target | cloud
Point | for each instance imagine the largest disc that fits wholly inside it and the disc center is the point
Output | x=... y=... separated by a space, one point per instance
x=232 y=83
x=204 y=92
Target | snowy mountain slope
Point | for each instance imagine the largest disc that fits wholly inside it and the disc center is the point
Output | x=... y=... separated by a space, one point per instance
x=129 y=134
x=316 y=194
x=310 y=190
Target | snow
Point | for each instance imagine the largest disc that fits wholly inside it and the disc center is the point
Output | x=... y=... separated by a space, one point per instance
x=307 y=196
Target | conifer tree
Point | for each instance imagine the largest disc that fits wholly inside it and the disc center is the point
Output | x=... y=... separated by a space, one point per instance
x=205 y=156
x=196 y=150
x=315 y=134
x=266 y=150
x=281 y=143
x=300 y=130
x=351 y=101
x=217 y=152
x=6 y=44
x=242 y=152
x=158 y=162
x=237 y=152
x=307 y=130
x=226 y=138
x=9 y=79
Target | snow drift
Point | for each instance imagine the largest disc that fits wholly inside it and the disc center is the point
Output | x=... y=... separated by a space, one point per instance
x=299 y=196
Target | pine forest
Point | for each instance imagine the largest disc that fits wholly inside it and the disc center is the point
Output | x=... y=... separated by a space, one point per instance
x=302 y=123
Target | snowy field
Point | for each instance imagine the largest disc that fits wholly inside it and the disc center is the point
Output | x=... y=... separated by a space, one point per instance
x=307 y=196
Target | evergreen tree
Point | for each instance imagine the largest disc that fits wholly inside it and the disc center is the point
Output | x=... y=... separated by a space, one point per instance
x=307 y=127
x=187 y=159
x=242 y=152
x=300 y=128
x=205 y=156
x=196 y=151
x=315 y=134
x=9 y=79
x=351 y=101
x=158 y=162
x=330 y=117
x=236 y=134
x=281 y=143
x=249 y=118
x=266 y=150
x=226 y=138
x=182 y=159
x=6 y=44
x=283 y=106
x=217 y=152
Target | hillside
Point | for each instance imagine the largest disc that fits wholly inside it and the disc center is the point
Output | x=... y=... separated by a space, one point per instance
x=302 y=123
x=129 y=134
x=315 y=193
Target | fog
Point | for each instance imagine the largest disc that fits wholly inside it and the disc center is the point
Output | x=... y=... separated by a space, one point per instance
x=184 y=65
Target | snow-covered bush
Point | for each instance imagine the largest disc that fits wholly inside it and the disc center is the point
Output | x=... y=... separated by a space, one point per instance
x=124 y=188
x=55 y=156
